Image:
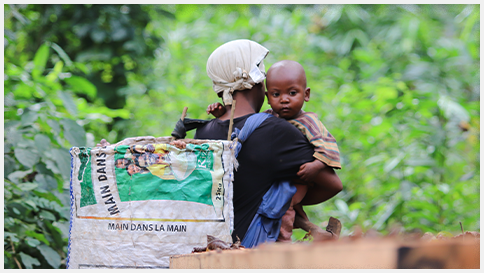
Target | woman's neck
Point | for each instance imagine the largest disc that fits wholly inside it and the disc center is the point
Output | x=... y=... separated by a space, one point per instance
x=242 y=108
x=239 y=111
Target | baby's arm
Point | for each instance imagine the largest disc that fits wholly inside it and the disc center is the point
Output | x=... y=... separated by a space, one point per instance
x=216 y=109
x=309 y=171
x=325 y=147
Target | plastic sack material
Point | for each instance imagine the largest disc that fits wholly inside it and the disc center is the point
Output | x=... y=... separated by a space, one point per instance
x=136 y=203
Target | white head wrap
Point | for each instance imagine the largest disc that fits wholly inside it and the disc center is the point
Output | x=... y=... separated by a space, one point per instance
x=236 y=65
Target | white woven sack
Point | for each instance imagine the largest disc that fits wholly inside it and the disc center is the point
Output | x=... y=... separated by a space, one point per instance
x=138 y=202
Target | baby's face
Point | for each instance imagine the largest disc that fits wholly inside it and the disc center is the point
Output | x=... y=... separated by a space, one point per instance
x=286 y=95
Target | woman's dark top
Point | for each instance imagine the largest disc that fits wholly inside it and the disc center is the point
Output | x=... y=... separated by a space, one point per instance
x=273 y=152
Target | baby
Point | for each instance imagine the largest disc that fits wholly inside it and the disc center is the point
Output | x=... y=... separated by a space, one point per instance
x=286 y=94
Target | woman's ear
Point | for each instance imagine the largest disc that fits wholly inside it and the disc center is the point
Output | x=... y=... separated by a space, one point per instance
x=307 y=94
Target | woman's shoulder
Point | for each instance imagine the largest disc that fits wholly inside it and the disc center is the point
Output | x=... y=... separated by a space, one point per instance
x=279 y=127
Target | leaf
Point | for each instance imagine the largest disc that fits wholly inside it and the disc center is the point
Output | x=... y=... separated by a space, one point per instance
x=31 y=204
x=27 y=186
x=68 y=101
x=63 y=162
x=50 y=205
x=82 y=85
x=353 y=215
x=389 y=209
x=119 y=34
x=32 y=242
x=26 y=143
x=17 y=175
x=392 y=163
x=9 y=100
x=26 y=157
x=65 y=199
x=47 y=215
x=82 y=67
x=50 y=164
x=11 y=125
x=374 y=159
x=37 y=236
x=42 y=142
x=342 y=206
x=40 y=60
x=54 y=125
x=20 y=17
x=444 y=188
x=453 y=109
x=386 y=93
x=50 y=255
x=171 y=16
x=103 y=54
x=28 y=260
x=9 y=165
x=28 y=117
x=46 y=182
x=16 y=211
x=62 y=54
x=81 y=29
x=63 y=227
x=13 y=236
x=98 y=35
x=54 y=74
x=73 y=132
x=13 y=136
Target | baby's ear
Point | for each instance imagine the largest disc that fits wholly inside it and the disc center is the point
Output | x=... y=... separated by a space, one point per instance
x=307 y=94
x=267 y=96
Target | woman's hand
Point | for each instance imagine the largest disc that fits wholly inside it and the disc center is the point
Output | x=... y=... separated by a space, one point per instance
x=216 y=109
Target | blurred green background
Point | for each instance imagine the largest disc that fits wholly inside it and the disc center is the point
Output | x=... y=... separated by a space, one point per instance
x=397 y=86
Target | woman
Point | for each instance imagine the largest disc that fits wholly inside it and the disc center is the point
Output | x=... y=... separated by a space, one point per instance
x=275 y=149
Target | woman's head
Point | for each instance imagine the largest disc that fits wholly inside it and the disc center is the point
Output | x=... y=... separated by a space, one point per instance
x=236 y=65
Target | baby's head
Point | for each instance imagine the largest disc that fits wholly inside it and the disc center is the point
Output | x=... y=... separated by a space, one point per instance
x=286 y=88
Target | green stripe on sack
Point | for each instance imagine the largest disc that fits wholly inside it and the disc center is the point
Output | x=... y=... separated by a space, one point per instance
x=84 y=176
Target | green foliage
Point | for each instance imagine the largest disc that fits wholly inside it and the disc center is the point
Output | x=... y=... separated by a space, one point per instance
x=37 y=129
x=43 y=118
x=397 y=85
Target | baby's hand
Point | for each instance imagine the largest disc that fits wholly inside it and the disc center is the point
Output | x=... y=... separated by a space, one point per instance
x=179 y=144
x=103 y=143
x=308 y=171
x=216 y=109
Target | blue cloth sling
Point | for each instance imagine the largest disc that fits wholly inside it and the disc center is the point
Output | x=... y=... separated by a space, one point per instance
x=267 y=221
